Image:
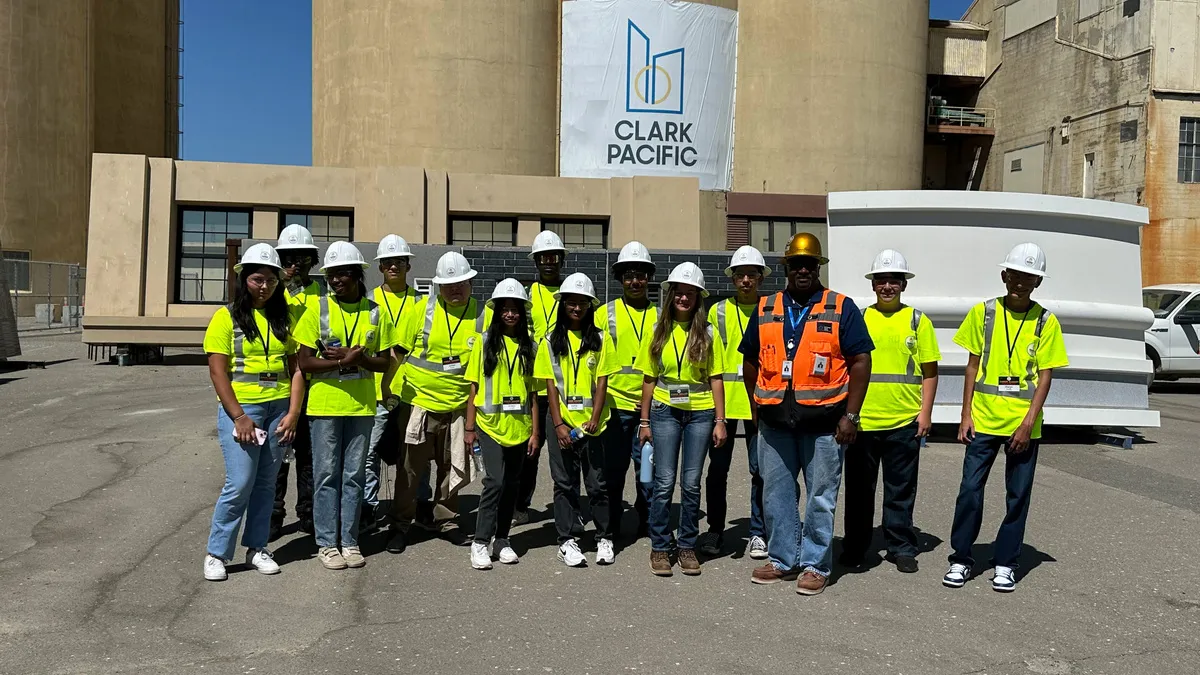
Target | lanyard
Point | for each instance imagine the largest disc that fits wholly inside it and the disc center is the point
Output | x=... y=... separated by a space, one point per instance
x=357 y=315
x=678 y=356
x=1012 y=346
x=553 y=308
x=386 y=303
x=458 y=325
x=511 y=363
x=576 y=360
x=794 y=343
x=640 y=331
x=266 y=341
x=741 y=318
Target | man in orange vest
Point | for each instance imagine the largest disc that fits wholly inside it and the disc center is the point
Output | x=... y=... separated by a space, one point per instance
x=807 y=363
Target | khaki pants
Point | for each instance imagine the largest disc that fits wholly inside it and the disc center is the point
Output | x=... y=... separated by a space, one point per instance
x=439 y=435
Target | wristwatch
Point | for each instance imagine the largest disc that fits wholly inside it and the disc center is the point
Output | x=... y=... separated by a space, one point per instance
x=853 y=417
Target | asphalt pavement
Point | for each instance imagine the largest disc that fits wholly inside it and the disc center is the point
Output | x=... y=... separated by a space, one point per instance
x=108 y=478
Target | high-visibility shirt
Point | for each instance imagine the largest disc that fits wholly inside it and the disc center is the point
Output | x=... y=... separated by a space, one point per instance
x=575 y=377
x=297 y=296
x=730 y=320
x=502 y=399
x=349 y=392
x=438 y=339
x=257 y=366
x=904 y=340
x=681 y=382
x=397 y=308
x=543 y=316
x=629 y=329
x=819 y=375
x=1012 y=345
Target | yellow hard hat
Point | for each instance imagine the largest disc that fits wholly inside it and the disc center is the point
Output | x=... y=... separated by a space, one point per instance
x=805 y=244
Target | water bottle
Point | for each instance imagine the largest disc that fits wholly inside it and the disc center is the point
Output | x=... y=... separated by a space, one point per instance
x=289 y=453
x=647 y=469
x=576 y=434
x=477 y=457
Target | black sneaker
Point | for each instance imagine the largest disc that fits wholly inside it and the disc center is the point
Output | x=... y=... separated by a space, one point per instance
x=306 y=525
x=397 y=542
x=366 y=518
x=711 y=543
x=904 y=563
x=276 y=530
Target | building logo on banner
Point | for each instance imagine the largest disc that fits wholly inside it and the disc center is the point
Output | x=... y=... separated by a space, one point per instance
x=663 y=106
x=655 y=82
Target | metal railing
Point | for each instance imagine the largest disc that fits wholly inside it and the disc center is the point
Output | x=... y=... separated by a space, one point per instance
x=961 y=116
x=45 y=295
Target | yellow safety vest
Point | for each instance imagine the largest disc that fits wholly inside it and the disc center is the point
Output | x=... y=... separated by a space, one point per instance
x=615 y=318
x=433 y=379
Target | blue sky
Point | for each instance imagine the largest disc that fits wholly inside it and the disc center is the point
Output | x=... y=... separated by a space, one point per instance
x=247 y=79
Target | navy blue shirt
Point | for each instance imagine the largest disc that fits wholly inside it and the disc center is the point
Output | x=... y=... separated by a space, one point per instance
x=854 y=339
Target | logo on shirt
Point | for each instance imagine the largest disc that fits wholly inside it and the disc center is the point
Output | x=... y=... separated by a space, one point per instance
x=910 y=341
x=1032 y=349
x=370 y=335
x=471 y=341
x=591 y=362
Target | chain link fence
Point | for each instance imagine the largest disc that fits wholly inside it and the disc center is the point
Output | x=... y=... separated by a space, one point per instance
x=45 y=295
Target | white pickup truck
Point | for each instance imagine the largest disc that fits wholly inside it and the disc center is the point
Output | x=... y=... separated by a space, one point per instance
x=1172 y=343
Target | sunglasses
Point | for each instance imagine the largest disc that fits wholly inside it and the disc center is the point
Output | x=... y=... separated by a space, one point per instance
x=803 y=263
x=635 y=275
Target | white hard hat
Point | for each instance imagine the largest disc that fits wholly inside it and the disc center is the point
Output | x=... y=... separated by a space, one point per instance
x=577 y=284
x=546 y=240
x=687 y=273
x=890 y=261
x=747 y=255
x=634 y=252
x=295 y=236
x=258 y=254
x=1028 y=258
x=509 y=288
x=393 y=246
x=343 y=254
x=452 y=268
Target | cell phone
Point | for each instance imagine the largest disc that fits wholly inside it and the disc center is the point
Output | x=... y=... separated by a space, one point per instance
x=260 y=435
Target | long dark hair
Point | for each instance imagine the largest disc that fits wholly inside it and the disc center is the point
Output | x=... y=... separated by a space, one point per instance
x=276 y=309
x=493 y=344
x=699 y=343
x=560 y=344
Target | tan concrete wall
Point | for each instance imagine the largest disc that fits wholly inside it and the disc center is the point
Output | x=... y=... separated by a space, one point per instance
x=456 y=85
x=45 y=132
x=389 y=201
x=1177 y=41
x=1171 y=241
x=830 y=95
x=117 y=236
x=713 y=214
x=528 y=195
x=247 y=184
x=1024 y=169
x=1023 y=15
x=264 y=223
x=161 y=237
x=954 y=51
x=135 y=66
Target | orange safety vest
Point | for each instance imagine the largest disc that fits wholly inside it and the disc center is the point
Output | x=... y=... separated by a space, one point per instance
x=820 y=336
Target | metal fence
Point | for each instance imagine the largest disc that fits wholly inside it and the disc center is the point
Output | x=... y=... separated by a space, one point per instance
x=45 y=295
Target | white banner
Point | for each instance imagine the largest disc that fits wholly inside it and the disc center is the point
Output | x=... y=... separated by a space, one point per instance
x=647 y=90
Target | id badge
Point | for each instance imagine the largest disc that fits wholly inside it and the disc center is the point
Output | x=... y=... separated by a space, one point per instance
x=679 y=394
x=820 y=365
x=574 y=403
x=348 y=371
x=1009 y=385
x=270 y=380
x=451 y=364
x=510 y=403
x=786 y=370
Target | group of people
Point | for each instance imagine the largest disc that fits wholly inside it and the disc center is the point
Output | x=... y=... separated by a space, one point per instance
x=339 y=379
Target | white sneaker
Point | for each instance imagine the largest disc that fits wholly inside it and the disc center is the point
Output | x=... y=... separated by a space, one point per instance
x=758 y=548
x=214 y=569
x=331 y=558
x=604 y=552
x=480 y=558
x=570 y=554
x=1004 y=580
x=505 y=552
x=956 y=576
x=261 y=560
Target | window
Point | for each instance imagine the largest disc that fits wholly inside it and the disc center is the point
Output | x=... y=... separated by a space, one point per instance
x=467 y=232
x=16 y=271
x=203 y=268
x=1016 y=166
x=1189 y=150
x=1129 y=131
x=772 y=236
x=1089 y=175
x=1161 y=301
x=325 y=227
x=580 y=234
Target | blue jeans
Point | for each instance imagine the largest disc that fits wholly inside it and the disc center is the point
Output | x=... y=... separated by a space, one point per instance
x=968 y=510
x=782 y=455
x=249 y=490
x=339 y=467
x=621 y=447
x=716 y=483
x=672 y=428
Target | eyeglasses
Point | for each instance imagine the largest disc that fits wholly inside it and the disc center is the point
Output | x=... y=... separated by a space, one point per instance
x=803 y=263
x=339 y=272
x=635 y=275
x=394 y=262
x=293 y=260
x=549 y=258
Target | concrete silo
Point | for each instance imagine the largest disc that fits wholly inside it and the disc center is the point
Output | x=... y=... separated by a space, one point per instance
x=830 y=95
x=459 y=85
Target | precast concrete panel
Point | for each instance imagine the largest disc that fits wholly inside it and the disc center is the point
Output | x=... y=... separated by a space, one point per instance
x=830 y=95
x=453 y=85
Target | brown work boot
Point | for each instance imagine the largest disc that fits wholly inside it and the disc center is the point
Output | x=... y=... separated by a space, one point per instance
x=772 y=574
x=660 y=563
x=811 y=583
x=688 y=563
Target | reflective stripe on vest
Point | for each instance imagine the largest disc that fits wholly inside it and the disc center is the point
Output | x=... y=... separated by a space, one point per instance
x=239 y=374
x=734 y=376
x=665 y=383
x=910 y=376
x=430 y=308
x=490 y=408
x=768 y=395
x=326 y=334
x=989 y=324
x=611 y=310
x=560 y=383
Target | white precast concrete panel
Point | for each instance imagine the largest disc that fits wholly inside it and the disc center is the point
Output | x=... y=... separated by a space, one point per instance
x=954 y=242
